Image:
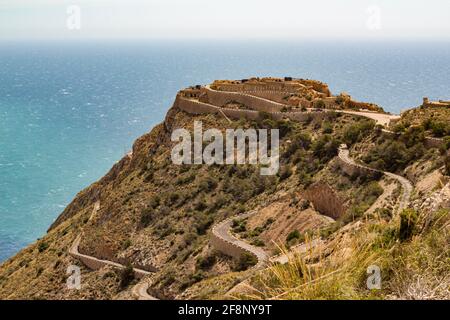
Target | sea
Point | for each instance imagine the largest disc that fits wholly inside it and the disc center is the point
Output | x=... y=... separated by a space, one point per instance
x=70 y=110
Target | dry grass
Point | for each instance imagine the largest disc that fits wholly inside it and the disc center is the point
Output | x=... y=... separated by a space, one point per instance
x=417 y=269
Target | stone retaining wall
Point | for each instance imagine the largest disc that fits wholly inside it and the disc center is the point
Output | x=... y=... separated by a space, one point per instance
x=325 y=200
x=354 y=169
x=220 y=98
x=233 y=249
x=275 y=96
x=431 y=142
x=96 y=264
x=196 y=107
x=292 y=87
x=226 y=247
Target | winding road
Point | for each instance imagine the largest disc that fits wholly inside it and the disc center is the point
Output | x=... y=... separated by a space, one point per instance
x=139 y=291
x=406 y=185
x=222 y=230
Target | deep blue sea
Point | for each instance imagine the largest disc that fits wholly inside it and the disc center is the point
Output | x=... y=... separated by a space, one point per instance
x=69 y=111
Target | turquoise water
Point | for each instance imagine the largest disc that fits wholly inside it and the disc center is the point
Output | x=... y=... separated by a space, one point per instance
x=69 y=111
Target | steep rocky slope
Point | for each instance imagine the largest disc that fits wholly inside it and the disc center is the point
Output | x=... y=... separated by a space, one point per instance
x=149 y=213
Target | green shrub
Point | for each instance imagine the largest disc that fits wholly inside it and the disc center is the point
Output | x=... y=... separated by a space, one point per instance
x=239 y=226
x=354 y=213
x=172 y=199
x=325 y=147
x=305 y=178
x=293 y=235
x=42 y=246
x=447 y=164
x=206 y=262
x=126 y=244
x=440 y=129
x=126 y=276
x=327 y=127
x=284 y=126
x=385 y=213
x=356 y=131
x=320 y=104
x=285 y=173
x=268 y=222
x=39 y=271
x=188 y=178
x=393 y=155
x=208 y=184
x=258 y=243
x=246 y=261
x=339 y=100
x=372 y=192
x=147 y=216
x=203 y=222
x=447 y=143
x=408 y=221
x=154 y=202
x=413 y=136
x=200 y=205
x=301 y=141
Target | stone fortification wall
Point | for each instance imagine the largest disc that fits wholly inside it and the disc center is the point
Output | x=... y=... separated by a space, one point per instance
x=196 y=107
x=95 y=264
x=220 y=98
x=325 y=200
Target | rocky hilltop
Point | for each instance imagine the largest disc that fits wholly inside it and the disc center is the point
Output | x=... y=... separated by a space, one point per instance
x=357 y=189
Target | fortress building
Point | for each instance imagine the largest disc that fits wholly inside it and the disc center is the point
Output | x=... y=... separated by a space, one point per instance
x=440 y=103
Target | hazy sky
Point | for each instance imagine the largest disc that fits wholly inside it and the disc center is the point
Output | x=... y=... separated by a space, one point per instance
x=37 y=19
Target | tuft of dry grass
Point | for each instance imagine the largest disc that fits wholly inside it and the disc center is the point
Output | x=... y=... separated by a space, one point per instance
x=416 y=269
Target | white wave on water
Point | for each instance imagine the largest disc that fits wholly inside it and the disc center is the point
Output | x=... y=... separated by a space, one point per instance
x=6 y=164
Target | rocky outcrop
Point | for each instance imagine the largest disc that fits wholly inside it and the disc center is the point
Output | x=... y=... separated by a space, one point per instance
x=439 y=199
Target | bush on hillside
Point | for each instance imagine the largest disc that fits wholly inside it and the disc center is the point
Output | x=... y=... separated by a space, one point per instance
x=408 y=221
x=447 y=164
x=42 y=246
x=147 y=215
x=126 y=276
x=327 y=128
x=301 y=141
x=393 y=155
x=325 y=147
x=285 y=172
x=320 y=104
x=202 y=222
x=438 y=128
x=205 y=262
x=357 y=131
x=246 y=261
x=293 y=235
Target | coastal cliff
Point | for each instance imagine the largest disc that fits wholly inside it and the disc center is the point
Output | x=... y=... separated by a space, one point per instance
x=196 y=231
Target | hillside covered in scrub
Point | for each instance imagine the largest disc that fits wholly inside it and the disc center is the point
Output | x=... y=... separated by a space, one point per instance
x=353 y=190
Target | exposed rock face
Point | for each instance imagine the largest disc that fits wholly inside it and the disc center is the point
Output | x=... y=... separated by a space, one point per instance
x=437 y=200
x=325 y=200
